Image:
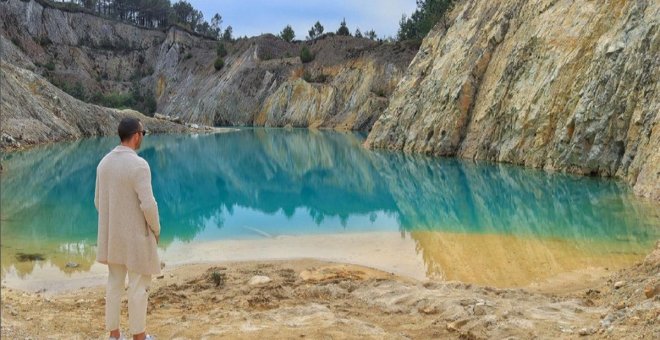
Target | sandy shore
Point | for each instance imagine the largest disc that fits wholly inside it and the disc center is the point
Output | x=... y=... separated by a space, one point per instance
x=540 y=265
x=325 y=300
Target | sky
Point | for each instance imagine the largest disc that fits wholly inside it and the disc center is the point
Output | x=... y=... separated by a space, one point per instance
x=254 y=17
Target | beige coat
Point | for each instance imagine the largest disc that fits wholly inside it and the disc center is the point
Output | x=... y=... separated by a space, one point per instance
x=128 y=213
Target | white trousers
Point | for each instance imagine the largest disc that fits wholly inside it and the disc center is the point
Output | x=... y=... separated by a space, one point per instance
x=138 y=293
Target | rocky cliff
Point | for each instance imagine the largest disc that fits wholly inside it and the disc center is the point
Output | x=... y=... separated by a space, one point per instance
x=33 y=111
x=559 y=85
x=263 y=81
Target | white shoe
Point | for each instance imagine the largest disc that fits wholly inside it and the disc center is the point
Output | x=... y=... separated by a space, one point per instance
x=150 y=337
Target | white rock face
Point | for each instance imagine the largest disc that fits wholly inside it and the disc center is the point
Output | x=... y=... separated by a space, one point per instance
x=559 y=85
x=33 y=111
x=351 y=77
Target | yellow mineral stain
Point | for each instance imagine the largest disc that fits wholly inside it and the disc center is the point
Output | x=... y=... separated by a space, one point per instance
x=160 y=87
x=514 y=261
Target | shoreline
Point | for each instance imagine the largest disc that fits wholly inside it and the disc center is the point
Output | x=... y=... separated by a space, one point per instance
x=540 y=265
x=212 y=130
x=311 y=298
x=8 y=149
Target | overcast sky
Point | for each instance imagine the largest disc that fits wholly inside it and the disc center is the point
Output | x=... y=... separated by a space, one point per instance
x=253 y=17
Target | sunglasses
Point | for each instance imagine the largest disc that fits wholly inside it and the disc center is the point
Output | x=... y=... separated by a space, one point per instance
x=143 y=132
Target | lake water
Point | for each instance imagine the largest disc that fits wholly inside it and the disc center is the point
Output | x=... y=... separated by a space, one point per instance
x=259 y=194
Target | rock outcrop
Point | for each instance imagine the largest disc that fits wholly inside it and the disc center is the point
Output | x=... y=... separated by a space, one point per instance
x=559 y=85
x=33 y=111
x=263 y=82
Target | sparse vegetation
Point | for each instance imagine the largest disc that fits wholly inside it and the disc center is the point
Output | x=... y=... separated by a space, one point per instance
x=137 y=98
x=77 y=91
x=221 y=51
x=306 y=55
x=43 y=41
x=227 y=36
x=320 y=78
x=50 y=65
x=218 y=278
x=106 y=44
x=145 y=13
x=428 y=13
x=114 y=99
x=380 y=92
x=219 y=64
x=287 y=34
x=343 y=29
x=188 y=56
x=315 y=31
x=16 y=42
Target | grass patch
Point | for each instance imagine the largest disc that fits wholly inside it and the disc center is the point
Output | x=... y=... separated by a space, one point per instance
x=218 y=278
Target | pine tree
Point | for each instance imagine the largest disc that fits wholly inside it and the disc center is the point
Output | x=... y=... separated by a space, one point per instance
x=343 y=29
x=287 y=33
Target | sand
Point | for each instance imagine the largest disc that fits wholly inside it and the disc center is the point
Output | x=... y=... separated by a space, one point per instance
x=315 y=299
x=501 y=261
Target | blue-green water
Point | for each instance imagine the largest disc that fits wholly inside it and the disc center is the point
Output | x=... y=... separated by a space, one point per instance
x=261 y=183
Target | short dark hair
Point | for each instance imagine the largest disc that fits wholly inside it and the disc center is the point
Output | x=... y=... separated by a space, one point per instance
x=127 y=127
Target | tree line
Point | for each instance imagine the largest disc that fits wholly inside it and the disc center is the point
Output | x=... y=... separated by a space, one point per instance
x=427 y=15
x=155 y=14
x=317 y=30
x=415 y=27
x=163 y=13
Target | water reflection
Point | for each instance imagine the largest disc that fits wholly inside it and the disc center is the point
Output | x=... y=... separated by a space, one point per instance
x=261 y=182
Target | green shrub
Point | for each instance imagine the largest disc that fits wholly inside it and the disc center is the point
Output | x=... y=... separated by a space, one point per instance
x=106 y=44
x=218 y=278
x=188 y=56
x=136 y=100
x=219 y=64
x=50 y=65
x=306 y=55
x=77 y=91
x=115 y=99
x=221 y=50
x=321 y=78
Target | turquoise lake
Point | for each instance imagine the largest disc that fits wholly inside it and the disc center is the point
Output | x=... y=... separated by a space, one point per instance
x=254 y=191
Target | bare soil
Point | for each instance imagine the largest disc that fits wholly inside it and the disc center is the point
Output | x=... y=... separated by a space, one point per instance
x=323 y=300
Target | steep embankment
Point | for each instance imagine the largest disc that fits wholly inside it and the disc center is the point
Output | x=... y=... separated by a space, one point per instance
x=559 y=85
x=262 y=83
x=33 y=111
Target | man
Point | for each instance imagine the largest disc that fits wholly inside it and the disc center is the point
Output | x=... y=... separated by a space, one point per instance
x=129 y=228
